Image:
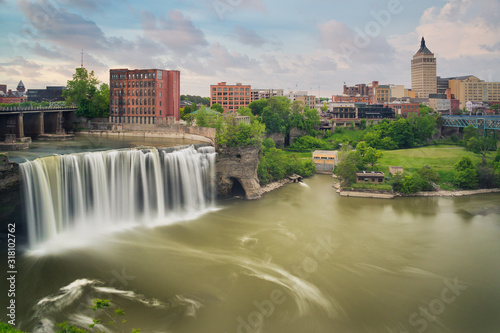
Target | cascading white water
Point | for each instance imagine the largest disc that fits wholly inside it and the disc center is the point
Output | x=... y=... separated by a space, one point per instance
x=113 y=189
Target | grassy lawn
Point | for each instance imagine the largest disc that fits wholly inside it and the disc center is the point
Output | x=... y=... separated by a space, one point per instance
x=350 y=135
x=440 y=158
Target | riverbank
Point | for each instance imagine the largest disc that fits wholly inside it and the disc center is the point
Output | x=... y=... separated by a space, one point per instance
x=274 y=185
x=457 y=193
x=440 y=193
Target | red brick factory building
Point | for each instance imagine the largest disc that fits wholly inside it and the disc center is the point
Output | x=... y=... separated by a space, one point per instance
x=144 y=96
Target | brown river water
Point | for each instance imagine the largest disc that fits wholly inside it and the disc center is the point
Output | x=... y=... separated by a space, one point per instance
x=302 y=259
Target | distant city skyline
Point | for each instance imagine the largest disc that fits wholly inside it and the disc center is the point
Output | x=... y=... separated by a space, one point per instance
x=291 y=45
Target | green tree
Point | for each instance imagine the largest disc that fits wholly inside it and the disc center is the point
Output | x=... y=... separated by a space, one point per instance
x=401 y=133
x=425 y=110
x=423 y=126
x=258 y=106
x=230 y=133
x=372 y=156
x=347 y=168
x=311 y=120
x=362 y=124
x=276 y=115
x=217 y=107
x=267 y=144
x=83 y=92
x=201 y=117
x=275 y=164
x=465 y=174
x=469 y=132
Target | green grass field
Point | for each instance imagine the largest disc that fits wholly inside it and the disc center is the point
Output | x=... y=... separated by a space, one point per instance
x=300 y=154
x=440 y=158
x=437 y=157
x=350 y=135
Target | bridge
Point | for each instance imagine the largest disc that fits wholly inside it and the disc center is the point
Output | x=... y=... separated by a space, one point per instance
x=32 y=122
x=479 y=122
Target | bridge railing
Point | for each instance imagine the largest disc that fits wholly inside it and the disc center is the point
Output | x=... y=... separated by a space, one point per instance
x=479 y=122
x=35 y=108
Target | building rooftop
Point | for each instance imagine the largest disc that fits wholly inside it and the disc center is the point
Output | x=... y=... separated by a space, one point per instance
x=325 y=152
x=423 y=49
x=370 y=174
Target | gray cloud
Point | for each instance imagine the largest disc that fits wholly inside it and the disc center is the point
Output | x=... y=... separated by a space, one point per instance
x=355 y=45
x=20 y=61
x=221 y=59
x=248 y=37
x=176 y=32
x=62 y=27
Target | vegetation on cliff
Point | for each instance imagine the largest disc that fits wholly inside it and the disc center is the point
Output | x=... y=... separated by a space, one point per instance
x=275 y=164
x=233 y=133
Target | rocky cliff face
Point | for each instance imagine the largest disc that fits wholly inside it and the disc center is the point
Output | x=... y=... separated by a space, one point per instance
x=237 y=172
x=10 y=194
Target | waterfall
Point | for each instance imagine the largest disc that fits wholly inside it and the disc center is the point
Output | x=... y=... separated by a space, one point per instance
x=115 y=189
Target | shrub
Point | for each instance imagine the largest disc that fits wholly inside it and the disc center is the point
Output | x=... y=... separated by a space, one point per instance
x=6 y=328
x=275 y=164
x=309 y=143
x=465 y=175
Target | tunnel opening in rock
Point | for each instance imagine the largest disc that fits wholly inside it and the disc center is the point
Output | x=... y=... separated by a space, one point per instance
x=237 y=189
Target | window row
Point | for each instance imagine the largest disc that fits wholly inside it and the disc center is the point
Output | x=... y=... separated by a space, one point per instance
x=134 y=84
x=137 y=110
x=137 y=92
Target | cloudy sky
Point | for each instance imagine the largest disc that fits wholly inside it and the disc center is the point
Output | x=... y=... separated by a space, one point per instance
x=313 y=45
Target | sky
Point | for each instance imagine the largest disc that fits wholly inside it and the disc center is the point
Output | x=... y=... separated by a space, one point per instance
x=313 y=45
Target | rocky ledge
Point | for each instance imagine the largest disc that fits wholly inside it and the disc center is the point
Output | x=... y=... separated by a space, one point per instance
x=236 y=172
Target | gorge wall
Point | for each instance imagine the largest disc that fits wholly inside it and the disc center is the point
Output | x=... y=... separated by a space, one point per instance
x=10 y=192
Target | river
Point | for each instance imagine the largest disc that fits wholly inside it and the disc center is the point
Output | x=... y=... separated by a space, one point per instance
x=302 y=259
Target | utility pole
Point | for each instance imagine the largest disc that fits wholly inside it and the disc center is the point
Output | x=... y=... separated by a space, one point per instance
x=82 y=59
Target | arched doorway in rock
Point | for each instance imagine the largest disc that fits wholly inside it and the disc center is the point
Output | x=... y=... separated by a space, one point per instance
x=237 y=190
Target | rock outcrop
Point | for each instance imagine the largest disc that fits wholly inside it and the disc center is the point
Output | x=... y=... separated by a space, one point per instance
x=236 y=173
x=10 y=192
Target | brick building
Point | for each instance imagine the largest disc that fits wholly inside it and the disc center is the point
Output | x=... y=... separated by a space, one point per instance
x=351 y=99
x=231 y=97
x=144 y=96
x=403 y=109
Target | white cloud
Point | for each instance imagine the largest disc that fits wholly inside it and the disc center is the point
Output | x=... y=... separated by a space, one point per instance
x=462 y=28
